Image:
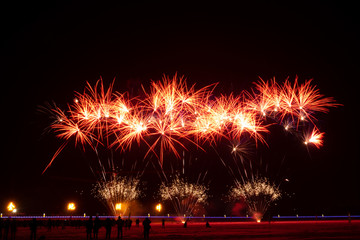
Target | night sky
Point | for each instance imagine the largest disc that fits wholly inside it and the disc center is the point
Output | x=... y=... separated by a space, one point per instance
x=49 y=51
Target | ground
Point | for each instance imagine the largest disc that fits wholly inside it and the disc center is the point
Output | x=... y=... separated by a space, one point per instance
x=218 y=230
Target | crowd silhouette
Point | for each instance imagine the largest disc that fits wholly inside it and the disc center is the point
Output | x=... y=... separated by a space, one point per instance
x=9 y=226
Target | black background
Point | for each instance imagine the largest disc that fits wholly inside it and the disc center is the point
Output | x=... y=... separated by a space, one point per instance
x=50 y=50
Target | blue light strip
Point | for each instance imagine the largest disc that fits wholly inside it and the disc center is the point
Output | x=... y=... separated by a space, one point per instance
x=315 y=217
x=188 y=217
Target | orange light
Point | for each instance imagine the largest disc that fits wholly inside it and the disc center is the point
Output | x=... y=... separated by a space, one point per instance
x=11 y=207
x=118 y=206
x=258 y=221
x=71 y=206
x=158 y=207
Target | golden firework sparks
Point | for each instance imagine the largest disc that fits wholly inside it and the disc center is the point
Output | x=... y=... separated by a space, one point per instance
x=258 y=194
x=185 y=196
x=118 y=192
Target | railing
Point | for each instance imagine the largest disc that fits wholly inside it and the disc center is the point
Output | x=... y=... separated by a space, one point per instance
x=274 y=218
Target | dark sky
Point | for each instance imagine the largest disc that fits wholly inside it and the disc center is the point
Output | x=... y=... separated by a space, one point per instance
x=49 y=51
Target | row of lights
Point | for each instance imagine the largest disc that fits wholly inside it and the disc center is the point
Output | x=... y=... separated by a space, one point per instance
x=11 y=207
x=72 y=207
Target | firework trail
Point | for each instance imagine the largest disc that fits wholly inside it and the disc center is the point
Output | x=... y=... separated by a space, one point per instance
x=173 y=115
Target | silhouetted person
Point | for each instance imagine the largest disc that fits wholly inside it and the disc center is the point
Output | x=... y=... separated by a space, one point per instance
x=78 y=223
x=33 y=227
x=185 y=224
x=57 y=223
x=163 y=223
x=63 y=224
x=137 y=222
x=129 y=223
x=270 y=216
x=13 y=229
x=1 y=227
x=120 y=224
x=49 y=225
x=207 y=224
x=89 y=227
x=97 y=225
x=6 y=228
x=108 y=224
x=146 y=224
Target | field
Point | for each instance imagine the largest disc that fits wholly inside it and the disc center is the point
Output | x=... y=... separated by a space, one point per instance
x=219 y=230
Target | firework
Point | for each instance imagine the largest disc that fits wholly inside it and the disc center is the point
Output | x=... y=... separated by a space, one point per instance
x=118 y=181
x=258 y=193
x=119 y=190
x=294 y=100
x=315 y=138
x=184 y=196
x=173 y=115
